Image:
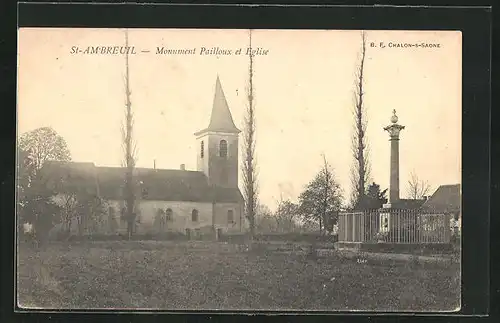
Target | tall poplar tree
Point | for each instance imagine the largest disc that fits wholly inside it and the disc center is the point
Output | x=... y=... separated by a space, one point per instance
x=249 y=162
x=129 y=148
x=360 y=169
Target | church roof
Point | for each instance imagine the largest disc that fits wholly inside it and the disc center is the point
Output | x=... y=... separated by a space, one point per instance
x=446 y=199
x=221 y=119
x=152 y=184
x=70 y=176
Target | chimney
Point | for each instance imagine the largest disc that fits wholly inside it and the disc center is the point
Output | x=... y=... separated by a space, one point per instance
x=154 y=164
x=183 y=167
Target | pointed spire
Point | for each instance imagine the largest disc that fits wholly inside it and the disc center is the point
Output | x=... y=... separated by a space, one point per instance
x=221 y=119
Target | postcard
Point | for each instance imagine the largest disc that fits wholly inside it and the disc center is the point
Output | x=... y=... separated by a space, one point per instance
x=239 y=170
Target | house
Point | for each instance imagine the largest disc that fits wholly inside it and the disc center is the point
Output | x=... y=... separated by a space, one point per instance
x=446 y=199
x=168 y=199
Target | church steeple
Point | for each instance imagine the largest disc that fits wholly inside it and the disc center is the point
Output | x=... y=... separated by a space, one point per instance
x=221 y=119
x=218 y=144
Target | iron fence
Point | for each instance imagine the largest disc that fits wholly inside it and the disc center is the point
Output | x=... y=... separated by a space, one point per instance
x=394 y=226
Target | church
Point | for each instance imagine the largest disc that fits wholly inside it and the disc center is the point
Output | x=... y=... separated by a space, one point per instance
x=169 y=200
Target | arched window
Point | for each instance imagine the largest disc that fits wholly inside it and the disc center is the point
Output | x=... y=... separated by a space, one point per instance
x=194 y=215
x=160 y=219
x=202 y=149
x=123 y=216
x=223 y=148
x=112 y=222
x=230 y=216
x=169 y=214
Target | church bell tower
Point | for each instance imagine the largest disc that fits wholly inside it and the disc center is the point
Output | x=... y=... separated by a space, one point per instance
x=218 y=144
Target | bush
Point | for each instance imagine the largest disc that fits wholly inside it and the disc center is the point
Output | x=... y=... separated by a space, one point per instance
x=283 y=237
x=239 y=238
x=312 y=252
x=175 y=236
x=297 y=237
x=164 y=236
x=259 y=248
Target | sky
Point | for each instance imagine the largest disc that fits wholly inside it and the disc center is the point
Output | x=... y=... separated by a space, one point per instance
x=303 y=99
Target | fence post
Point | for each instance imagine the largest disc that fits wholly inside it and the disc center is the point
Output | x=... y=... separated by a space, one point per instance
x=342 y=223
x=447 y=228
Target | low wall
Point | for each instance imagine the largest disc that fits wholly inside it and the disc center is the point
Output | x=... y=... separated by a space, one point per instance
x=282 y=237
x=136 y=237
x=204 y=235
x=384 y=247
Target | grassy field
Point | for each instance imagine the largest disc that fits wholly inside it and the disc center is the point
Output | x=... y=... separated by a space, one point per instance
x=190 y=275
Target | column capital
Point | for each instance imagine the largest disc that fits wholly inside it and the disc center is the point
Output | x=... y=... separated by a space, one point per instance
x=394 y=130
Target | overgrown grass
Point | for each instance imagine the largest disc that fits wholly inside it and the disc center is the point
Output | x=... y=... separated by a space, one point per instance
x=189 y=275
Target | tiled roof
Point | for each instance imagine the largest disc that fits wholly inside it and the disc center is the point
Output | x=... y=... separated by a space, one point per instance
x=152 y=184
x=409 y=204
x=221 y=119
x=446 y=199
x=70 y=176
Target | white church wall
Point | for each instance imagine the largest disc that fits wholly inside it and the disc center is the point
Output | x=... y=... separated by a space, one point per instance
x=181 y=215
x=221 y=217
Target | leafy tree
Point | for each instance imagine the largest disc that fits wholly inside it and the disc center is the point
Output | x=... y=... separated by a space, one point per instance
x=41 y=211
x=41 y=145
x=35 y=203
x=374 y=198
x=34 y=198
x=23 y=185
x=321 y=200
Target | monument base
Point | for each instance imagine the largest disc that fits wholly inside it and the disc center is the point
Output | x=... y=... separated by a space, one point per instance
x=394 y=247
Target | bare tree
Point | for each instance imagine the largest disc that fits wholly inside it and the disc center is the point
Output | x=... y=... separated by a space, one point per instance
x=69 y=204
x=361 y=168
x=90 y=215
x=321 y=201
x=249 y=161
x=87 y=209
x=417 y=188
x=129 y=148
x=264 y=220
x=286 y=215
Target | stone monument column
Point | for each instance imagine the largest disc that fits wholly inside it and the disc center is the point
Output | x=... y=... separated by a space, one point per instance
x=394 y=129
